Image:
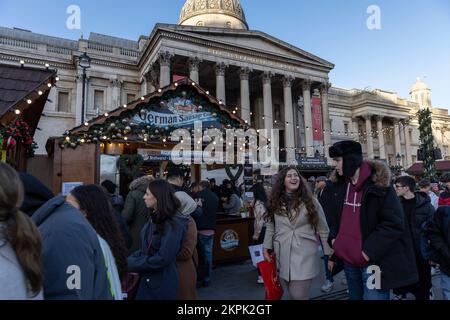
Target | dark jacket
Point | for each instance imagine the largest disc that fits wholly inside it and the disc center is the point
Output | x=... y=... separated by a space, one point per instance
x=36 y=194
x=207 y=221
x=385 y=239
x=135 y=213
x=70 y=243
x=440 y=239
x=158 y=267
x=216 y=191
x=423 y=212
x=324 y=199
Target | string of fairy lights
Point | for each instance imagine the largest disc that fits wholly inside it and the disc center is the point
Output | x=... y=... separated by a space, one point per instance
x=361 y=136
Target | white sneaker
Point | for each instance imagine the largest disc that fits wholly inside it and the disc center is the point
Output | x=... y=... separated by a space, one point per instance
x=399 y=297
x=327 y=287
x=435 y=271
x=260 y=280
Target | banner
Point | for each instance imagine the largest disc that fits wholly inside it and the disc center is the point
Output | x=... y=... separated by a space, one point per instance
x=317 y=119
x=178 y=112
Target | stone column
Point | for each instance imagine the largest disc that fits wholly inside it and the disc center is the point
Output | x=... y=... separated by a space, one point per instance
x=369 y=144
x=306 y=88
x=194 y=64
x=220 y=82
x=115 y=99
x=397 y=145
x=408 y=147
x=164 y=67
x=381 y=143
x=355 y=129
x=79 y=100
x=245 y=95
x=289 y=129
x=149 y=82
x=267 y=96
x=326 y=117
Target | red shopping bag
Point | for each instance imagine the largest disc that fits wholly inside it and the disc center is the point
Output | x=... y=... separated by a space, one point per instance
x=274 y=290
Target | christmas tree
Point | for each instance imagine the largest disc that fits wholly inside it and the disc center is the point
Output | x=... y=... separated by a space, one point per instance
x=427 y=143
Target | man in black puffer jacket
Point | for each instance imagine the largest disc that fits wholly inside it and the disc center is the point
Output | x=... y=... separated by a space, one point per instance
x=418 y=209
x=367 y=225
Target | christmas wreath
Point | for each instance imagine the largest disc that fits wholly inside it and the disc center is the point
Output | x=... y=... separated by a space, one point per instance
x=130 y=164
x=18 y=132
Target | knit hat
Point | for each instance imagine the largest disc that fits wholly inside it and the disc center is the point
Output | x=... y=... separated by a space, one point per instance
x=351 y=153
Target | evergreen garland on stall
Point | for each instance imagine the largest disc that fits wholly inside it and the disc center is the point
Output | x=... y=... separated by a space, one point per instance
x=123 y=128
x=427 y=143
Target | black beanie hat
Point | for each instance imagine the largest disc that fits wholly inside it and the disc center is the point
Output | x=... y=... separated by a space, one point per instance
x=351 y=153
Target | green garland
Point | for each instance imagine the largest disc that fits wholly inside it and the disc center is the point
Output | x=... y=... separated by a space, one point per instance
x=130 y=164
x=117 y=128
x=427 y=143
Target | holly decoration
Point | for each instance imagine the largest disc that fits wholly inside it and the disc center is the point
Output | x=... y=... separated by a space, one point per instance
x=18 y=132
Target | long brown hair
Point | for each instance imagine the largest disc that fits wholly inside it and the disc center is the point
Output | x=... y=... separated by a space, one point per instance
x=279 y=203
x=21 y=232
x=94 y=202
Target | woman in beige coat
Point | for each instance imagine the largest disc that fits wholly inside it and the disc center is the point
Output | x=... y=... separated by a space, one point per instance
x=294 y=218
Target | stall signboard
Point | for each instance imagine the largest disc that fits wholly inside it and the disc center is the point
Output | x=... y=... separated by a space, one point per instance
x=67 y=187
x=150 y=155
x=229 y=240
x=311 y=162
x=178 y=112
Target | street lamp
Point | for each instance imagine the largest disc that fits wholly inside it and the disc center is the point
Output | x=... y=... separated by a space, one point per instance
x=84 y=63
x=398 y=158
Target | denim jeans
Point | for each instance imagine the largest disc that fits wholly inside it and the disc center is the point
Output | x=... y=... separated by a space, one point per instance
x=206 y=244
x=445 y=284
x=357 y=285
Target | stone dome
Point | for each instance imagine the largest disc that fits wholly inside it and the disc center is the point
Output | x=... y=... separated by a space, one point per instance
x=419 y=86
x=213 y=13
x=421 y=93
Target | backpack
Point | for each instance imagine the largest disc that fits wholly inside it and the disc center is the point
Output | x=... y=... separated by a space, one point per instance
x=429 y=253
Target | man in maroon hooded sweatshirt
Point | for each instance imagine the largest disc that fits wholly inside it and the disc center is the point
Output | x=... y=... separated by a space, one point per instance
x=367 y=225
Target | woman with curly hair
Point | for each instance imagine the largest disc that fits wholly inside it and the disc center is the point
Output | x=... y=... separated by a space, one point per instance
x=294 y=220
x=93 y=202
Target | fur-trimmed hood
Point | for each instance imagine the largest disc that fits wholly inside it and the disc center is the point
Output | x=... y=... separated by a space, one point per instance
x=381 y=174
x=141 y=183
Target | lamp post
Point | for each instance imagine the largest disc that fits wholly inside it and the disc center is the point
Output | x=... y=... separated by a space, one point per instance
x=84 y=63
x=399 y=166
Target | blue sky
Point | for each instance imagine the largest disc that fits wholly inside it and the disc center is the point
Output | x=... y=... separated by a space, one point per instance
x=414 y=39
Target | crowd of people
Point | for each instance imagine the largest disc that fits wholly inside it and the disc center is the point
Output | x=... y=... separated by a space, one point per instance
x=388 y=235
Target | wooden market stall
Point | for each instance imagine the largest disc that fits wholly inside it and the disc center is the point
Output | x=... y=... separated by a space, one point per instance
x=136 y=139
x=23 y=95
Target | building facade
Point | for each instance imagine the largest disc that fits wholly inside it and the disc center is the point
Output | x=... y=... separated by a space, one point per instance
x=268 y=82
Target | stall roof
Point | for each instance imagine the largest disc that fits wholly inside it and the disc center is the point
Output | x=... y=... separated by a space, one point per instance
x=17 y=85
x=417 y=168
x=146 y=99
